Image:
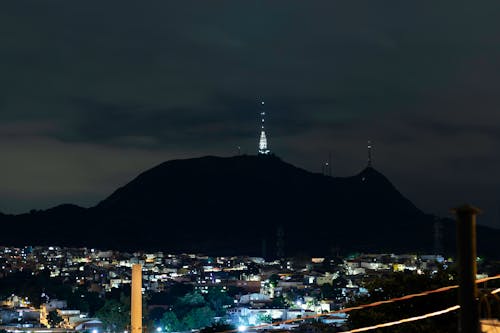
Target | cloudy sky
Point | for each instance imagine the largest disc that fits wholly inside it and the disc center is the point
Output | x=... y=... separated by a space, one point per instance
x=94 y=92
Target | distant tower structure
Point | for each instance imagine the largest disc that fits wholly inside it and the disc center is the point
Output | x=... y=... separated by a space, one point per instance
x=136 y=300
x=369 y=147
x=330 y=164
x=263 y=148
x=264 y=248
x=280 y=243
x=438 y=236
x=326 y=167
x=498 y=213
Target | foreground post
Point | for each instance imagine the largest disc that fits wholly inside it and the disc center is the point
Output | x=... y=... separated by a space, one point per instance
x=468 y=321
x=136 y=300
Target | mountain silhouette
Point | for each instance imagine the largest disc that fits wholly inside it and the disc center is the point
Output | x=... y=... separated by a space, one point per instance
x=235 y=205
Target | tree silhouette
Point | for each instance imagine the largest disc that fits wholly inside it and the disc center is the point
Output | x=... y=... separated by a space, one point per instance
x=54 y=318
x=170 y=323
x=115 y=315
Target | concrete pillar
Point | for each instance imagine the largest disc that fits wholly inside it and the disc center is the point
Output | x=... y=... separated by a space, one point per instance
x=136 y=300
x=468 y=321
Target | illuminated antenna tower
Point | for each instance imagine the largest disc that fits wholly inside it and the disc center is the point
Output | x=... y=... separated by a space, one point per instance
x=263 y=149
x=369 y=154
x=280 y=243
x=438 y=236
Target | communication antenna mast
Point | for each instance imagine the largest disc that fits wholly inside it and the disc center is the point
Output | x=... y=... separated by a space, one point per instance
x=280 y=243
x=369 y=154
x=438 y=236
x=330 y=164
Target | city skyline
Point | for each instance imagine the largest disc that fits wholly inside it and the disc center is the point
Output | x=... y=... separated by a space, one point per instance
x=249 y=166
x=93 y=95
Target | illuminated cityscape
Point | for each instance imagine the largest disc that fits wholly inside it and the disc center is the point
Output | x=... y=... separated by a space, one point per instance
x=249 y=167
x=249 y=290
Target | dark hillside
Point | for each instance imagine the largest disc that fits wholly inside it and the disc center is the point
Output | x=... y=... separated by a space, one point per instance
x=233 y=205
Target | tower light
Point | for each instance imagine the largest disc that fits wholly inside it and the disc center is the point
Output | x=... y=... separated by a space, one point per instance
x=263 y=146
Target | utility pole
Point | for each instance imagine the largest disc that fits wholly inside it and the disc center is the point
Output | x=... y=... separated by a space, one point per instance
x=468 y=320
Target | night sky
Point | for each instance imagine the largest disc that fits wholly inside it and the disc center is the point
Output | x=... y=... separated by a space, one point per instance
x=94 y=92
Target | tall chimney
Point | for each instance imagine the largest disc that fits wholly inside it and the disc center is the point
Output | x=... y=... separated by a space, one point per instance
x=136 y=300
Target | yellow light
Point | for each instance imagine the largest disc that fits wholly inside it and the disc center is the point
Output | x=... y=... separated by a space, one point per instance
x=406 y=320
x=392 y=300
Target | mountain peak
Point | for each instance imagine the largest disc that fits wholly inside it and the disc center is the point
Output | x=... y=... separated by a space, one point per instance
x=232 y=205
x=372 y=175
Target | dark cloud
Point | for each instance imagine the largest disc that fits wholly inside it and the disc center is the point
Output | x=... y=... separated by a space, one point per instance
x=223 y=118
x=89 y=87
